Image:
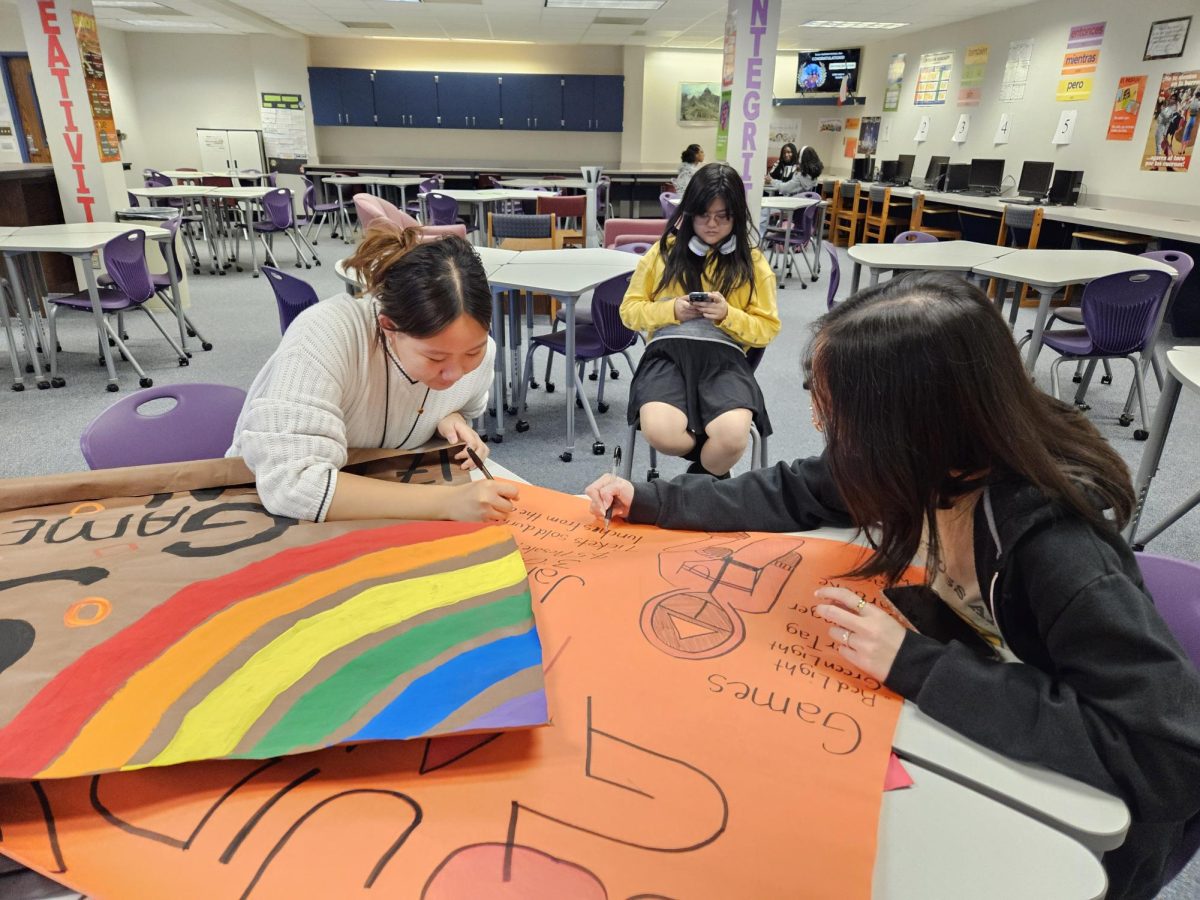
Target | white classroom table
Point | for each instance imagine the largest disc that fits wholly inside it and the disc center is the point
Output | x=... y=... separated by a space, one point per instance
x=194 y=195
x=1183 y=371
x=372 y=181
x=791 y=204
x=246 y=197
x=567 y=283
x=189 y=175
x=1049 y=270
x=575 y=184
x=78 y=240
x=940 y=256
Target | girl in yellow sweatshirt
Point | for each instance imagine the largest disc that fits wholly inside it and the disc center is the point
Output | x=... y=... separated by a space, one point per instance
x=704 y=295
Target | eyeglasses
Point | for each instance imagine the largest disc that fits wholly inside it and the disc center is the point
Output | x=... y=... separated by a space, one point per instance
x=715 y=219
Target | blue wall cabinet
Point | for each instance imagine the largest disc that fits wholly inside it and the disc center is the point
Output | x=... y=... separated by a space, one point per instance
x=593 y=102
x=531 y=102
x=405 y=99
x=468 y=100
x=341 y=96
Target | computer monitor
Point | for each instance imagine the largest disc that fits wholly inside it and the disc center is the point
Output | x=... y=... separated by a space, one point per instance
x=904 y=168
x=1035 y=179
x=986 y=175
x=860 y=168
x=887 y=171
x=936 y=171
x=958 y=177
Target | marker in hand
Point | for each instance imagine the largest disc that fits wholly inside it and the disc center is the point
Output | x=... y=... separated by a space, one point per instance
x=479 y=464
x=616 y=470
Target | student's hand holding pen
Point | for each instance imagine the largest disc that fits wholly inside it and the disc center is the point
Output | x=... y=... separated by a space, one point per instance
x=609 y=490
x=482 y=501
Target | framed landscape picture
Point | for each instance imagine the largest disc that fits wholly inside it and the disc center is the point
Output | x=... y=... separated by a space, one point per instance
x=699 y=102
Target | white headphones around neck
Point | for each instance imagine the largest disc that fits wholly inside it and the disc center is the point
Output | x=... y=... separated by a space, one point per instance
x=700 y=248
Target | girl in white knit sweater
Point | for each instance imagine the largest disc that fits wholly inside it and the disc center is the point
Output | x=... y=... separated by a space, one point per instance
x=408 y=361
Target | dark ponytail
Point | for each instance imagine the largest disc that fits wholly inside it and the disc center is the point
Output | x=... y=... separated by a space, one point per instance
x=422 y=286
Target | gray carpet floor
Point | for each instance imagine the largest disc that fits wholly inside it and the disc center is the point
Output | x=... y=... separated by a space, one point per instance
x=40 y=429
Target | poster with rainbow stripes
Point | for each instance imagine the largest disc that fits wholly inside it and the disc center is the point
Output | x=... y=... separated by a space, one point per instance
x=152 y=628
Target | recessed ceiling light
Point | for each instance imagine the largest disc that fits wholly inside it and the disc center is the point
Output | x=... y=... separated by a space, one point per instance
x=604 y=4
x=821 y=23
x=170 y=23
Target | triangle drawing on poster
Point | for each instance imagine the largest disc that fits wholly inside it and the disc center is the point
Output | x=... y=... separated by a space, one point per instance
x=960 y=130
x=922 y=134
x=1002 y=130
x=1066 y=127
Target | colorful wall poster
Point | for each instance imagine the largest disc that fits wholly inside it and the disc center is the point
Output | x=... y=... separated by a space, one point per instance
x=933 y=78
x=868 y=135
x=1175 y=126
x=699 y=103
x=195 y=625
x=1016 y=71
x=970 y=88
x=830 y=126
x=694 y=693
x=895 y=77
x=97 y=86
x=1079 y=62
x=1126 y=106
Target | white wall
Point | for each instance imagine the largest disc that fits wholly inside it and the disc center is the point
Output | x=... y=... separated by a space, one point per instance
x=430 y=146
x=1112 y=168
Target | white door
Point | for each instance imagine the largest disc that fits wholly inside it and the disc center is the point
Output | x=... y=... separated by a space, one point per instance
x=214 y=149
x=246 y=150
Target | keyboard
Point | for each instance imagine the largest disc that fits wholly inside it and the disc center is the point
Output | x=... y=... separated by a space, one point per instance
x=977 y=192
x=1022 y=201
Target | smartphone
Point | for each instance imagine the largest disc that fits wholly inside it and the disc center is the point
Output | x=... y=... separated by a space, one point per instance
x=698 y=297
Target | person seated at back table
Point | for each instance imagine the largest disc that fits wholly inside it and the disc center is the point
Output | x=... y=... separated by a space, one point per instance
x=694 y=393
x=409 y=361
x=691 y=159
x=938 y=445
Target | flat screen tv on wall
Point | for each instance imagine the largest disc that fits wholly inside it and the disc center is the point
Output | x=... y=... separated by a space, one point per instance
x=822 y=71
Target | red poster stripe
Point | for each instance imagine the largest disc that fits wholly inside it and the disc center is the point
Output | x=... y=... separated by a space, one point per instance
x=43 y=728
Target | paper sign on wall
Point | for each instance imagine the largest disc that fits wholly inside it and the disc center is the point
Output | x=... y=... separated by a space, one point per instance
x=922 y=134
x=933 y=79
x=960 y=130
x=885 y=132
x=970 y=89
x=895 y=76
x=1126 y=106
x=1016 y=71
x=1080 y=60
x=1171 y=138
x=830 y=126
x=1066 y=127
x=1002 y=130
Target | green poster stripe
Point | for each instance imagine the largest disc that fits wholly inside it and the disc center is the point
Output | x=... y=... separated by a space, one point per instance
x=333 y=702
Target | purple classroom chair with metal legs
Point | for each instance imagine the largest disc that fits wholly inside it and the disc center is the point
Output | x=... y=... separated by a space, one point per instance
x=835 y=274
x=914 y=237
x=316 y=213
x=199 y=426
x=280 y=218
x=292 y=295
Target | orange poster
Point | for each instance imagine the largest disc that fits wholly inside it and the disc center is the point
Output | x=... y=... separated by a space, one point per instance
x=705 y=741
x=1126 y=107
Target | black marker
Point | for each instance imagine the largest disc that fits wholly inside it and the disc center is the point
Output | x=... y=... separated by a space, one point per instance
x=616 y=470
x=479 y=464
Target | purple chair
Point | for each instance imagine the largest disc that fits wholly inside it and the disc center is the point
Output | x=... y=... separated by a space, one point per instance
x=155 y=178
x=914 y=237
x=125 y=260
x=1120 y=317
x=316 y=213
x=292 y=295
x=795 y=234
x=162 y=284
x=638 y=247
x=280 y=218
x=199 y=426
x=604 y=336
x=443 y=210
x=835 y=274
x=432 y=183
x=133 y=200
x=668 y=209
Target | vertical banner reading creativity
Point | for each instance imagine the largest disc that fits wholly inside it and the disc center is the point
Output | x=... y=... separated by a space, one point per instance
x=1079 y=62
x=933 y=79
x=970 y=89
x=895 y=75
x=1172 y=137
x=1126 y=107
x=97 y=86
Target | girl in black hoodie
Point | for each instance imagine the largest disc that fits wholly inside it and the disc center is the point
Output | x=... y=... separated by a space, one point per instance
x=1041 y=642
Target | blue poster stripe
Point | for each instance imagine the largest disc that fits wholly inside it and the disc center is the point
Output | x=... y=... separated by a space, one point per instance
x=433 y=697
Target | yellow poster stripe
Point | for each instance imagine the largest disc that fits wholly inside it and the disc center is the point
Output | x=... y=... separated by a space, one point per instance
x=126 y=721
x=216 y=725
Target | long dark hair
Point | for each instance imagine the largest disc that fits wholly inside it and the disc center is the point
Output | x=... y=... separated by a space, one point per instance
x=923 y=398
x=810 y=163
x=794 y=160
x=422 y=286
x=715 y=181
